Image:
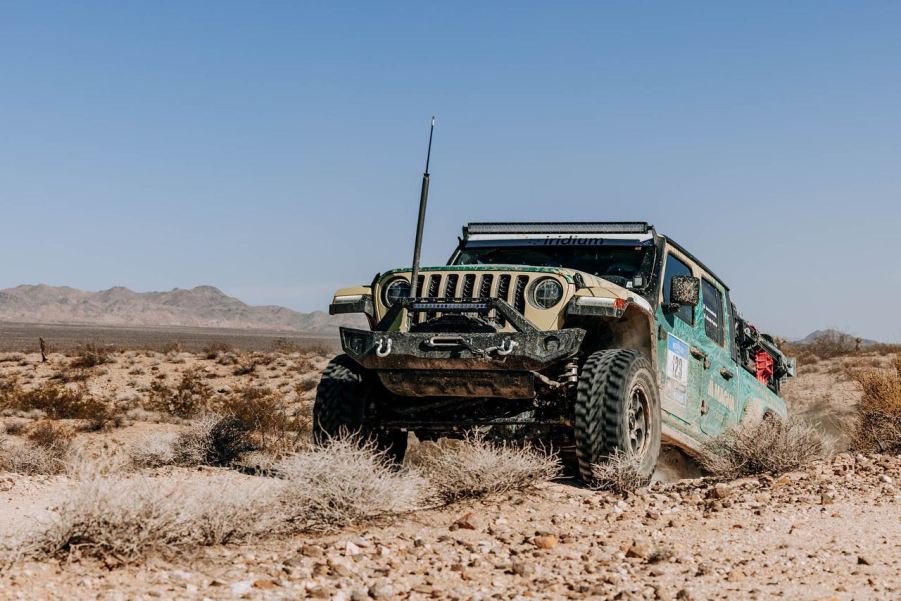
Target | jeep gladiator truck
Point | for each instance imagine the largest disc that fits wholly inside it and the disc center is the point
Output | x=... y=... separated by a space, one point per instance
x=590 y=338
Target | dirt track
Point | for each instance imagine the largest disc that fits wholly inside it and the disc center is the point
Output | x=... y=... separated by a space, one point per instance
x=832 y=531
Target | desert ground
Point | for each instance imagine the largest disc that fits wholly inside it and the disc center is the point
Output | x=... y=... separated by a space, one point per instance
x=93 y=429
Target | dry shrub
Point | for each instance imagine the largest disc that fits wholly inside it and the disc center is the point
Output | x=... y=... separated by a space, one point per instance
x=261 y=463
x=214 y=349
x=284 y=346
x=341 y=483
x=90 y=355
x=10 y=389
x=45 y=451
x=190 y=397
x=262 y=412
x=832 y=344
x=245 y=367
x=228 y=359
x=29 y=458
x=216 y=440
x=156 y=450
x=805 y=359
x=826 y=346
x=620 y=473
x=16 y=426
x=122 y=519
x=213 y=440
x=879 y=410
x=474 y=467
x=306 y=385
x=303 y=421
x=58 y=402
x=884 y=349
x=263 y=358
x=70 y=374
x=305 y=364
x=50 y=436
x=171 y=347
x=771 y=446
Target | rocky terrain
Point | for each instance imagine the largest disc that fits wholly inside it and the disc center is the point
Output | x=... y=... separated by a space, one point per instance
x=831 y=530
x=203 y=306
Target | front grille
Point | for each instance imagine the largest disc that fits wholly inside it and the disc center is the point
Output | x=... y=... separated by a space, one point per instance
x=503 y=293
x=434 y=285
x=445 y=286
x=469 y=282
x=485 y=285
x=503 y=287
x=450 y=286
x=519 y=293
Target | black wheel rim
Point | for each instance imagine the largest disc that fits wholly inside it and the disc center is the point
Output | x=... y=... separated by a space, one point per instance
x=639 y=420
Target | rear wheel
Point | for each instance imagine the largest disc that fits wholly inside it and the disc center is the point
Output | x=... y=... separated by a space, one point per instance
x=344 y=393
x=617 y=409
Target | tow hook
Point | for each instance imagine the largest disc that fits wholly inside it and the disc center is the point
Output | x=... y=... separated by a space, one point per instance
x=506 y=347
x=383 y=348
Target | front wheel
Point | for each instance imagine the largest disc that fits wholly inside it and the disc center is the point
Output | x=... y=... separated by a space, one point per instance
x=344 y=393
x=617 y=409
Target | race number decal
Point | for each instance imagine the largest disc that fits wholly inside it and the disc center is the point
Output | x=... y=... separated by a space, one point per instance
x=676 y=387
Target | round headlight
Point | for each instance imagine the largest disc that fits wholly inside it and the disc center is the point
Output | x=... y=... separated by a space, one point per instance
x=396 y=289
x=546 y=293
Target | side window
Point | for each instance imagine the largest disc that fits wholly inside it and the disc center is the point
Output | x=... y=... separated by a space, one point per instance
x=712 y=299
x=733 y=330
x=676 y=267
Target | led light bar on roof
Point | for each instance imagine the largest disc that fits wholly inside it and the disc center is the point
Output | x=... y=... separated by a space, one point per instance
x=559 y=227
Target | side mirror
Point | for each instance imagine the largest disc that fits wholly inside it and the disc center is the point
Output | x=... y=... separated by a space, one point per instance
x=685 y=290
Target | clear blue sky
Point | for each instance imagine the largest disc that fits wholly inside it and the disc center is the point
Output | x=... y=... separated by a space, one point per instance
x=275 y=149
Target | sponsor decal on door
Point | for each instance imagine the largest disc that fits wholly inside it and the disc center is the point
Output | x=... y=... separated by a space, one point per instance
x=676 y=386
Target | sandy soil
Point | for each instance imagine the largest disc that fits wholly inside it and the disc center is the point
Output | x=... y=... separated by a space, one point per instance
x=832 y=531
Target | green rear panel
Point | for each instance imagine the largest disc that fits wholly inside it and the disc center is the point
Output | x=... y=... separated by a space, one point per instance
x=703 y=390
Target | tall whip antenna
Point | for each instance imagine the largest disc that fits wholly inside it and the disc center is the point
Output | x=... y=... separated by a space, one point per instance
x=423 y=200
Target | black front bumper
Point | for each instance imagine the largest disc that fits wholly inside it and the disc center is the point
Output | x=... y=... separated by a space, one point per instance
x=507 y=351
x=460 y=357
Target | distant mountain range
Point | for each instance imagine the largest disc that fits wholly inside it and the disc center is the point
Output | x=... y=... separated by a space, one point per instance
x=203 y=306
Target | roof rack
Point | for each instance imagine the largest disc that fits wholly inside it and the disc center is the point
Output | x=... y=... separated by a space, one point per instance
x=559 y=227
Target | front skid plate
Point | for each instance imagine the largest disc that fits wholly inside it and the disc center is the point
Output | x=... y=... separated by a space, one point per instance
x=457 y=383
x=507 y=351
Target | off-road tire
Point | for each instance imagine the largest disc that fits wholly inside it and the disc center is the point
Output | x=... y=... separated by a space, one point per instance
x=344 y=392
x=607 y=381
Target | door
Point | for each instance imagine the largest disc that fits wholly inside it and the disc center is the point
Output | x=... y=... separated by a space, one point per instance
x=680 y=371
x=719 y=382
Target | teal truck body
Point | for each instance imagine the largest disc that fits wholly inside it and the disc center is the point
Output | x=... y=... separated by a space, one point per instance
x=706 y=388
x=593 y=338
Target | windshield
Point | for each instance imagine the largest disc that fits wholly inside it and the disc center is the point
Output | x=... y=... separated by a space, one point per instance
x=618 y=264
